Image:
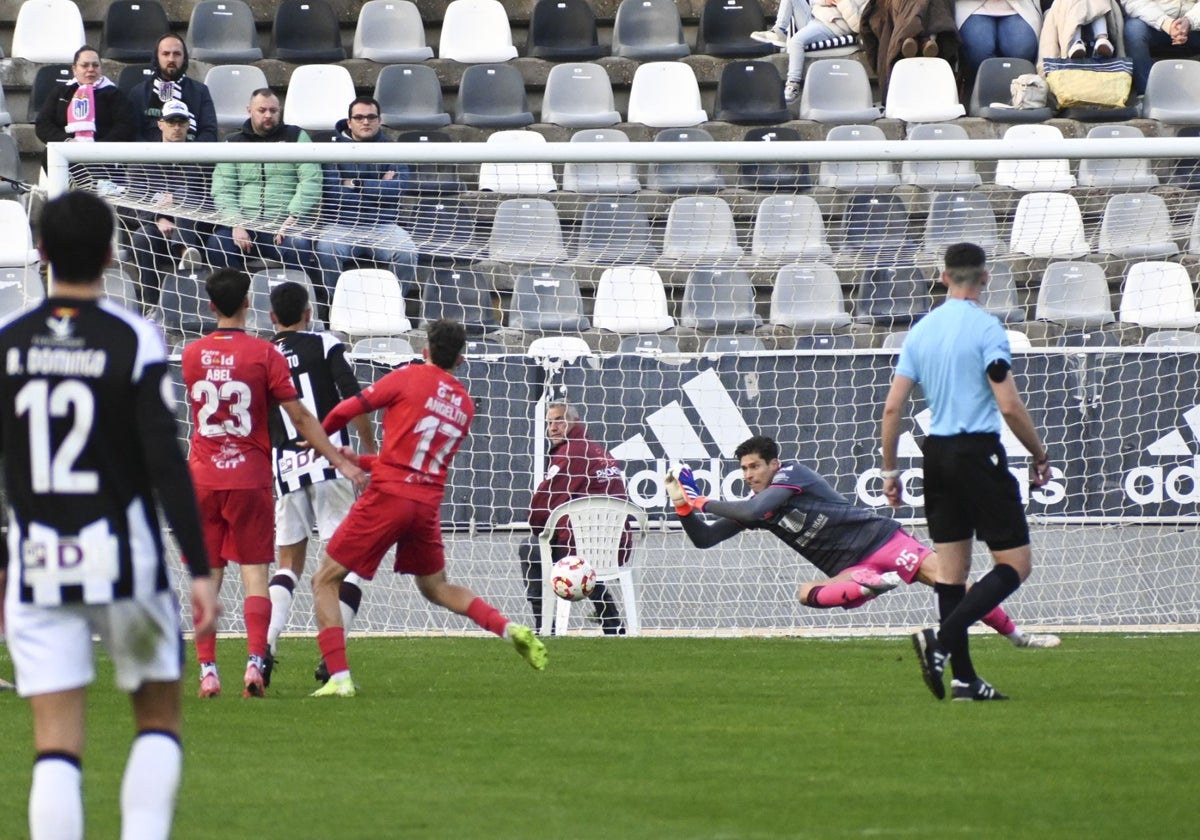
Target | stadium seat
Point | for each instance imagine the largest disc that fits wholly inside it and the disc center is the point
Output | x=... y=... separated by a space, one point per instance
x=665 y=94
x=750 y=92
x=131 y=30
x=476 y=32
x=517 y=178
x=1048 y=225
x=789 y=228
x=5 y=115
x=444 y=229
x=317 y=96
x=410 y=95
x=1185 y=172
x=492 y=96
x=850 y=175
x=960 y=217
x=808 y=297
x=547 y=299
x=12 y=291
x=223 y=31
x=1118 y=173
x=718 y=299
x=1034 y=175
x=526 y=230
x=616 y=178
x=648 y=345
x=1173 y=92
x=258 y=313
x=262 y=282
x=631 y=299
x=939 y=174
x=999 y=296
x=368 y=302
x=597 y=526
x=837 y=90
x=438 y=178
x=1018 y=342
x=390 y=32
x=384 y=349
x=184 y=305
x=579 y=95
x=649 y=30
x=483 y=348
x=993 y=86
x=784 y=177
x=615 y=230
x=133 y=75
x=842 y=341
x=894 y=340
x=891 y=296
x=16 y=238
x=1136 y=226
x=725 y=27
x=1074 y=294
x=683 y=177
x=47 y=31
x=876 y=224
x=10 y=166
x=1158 y=294
x=462 y=295
x=563 y=30
x=566 y=348
x=307 y=32
x=230 y=86
x=700 y=229
x=1168 y=340
x=44 y=81
x=922 y=90
x=734 y=344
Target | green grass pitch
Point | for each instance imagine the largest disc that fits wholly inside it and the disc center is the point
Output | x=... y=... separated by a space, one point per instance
x=714 y=739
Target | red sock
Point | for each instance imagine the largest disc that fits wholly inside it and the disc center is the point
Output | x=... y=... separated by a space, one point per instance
x=206 y=648
x=999 y=621
x=842 y=593
x=487 y=616
x=257 y=610
x=332 y=641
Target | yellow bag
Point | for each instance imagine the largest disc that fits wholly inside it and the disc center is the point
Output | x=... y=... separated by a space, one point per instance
x=1095 y=84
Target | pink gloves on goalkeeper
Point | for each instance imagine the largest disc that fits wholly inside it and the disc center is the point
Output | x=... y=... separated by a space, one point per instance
x=683 y=490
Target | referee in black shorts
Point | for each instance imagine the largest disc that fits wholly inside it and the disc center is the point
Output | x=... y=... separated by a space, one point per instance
x=959 y=354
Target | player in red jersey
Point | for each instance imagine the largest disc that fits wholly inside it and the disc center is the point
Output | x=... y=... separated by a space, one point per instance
x=427 y=413
x=233 y=380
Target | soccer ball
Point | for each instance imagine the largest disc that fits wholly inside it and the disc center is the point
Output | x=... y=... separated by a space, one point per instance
x=573 y=578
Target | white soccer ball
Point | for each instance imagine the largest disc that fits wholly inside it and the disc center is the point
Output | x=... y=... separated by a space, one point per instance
x=573 y=578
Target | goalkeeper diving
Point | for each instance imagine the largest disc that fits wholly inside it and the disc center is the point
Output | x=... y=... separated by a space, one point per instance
x=863 y=554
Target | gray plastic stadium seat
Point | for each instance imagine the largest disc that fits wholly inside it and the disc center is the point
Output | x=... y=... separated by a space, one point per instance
x=718 y=299
x=789 y=228
x=939 y=174
x=649 y=30
x=784 y=177
x=993 y=84
x=1136 y=226
x=132 y=29
x=579 y=95
x=410 y=96
x=547 y=298
x=10 y=165
x=493 y=96
x=877 y=226
x=837 y=90
x=1173 y=340
x=1173 y=91
x=5 y=115
x=852 y=175
x=960 y=217
x=223 y=31
x=725 y=29
x=390 y=31
x=999 y=296
x=1127 y=172
x=307 y=32
x=700 y=229
x=230 y=86
x=1074 y=294
x=734 y=344
x=526 y=230
x=44 y=81
x=891 y=296
x=463 y=295
x=683 y=177
x=616 y=178
x=615 y=230
x=437 y=178
x=808 y=296
x=648 y=345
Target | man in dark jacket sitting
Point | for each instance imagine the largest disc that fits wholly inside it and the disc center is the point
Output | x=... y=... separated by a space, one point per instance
x=170 y=82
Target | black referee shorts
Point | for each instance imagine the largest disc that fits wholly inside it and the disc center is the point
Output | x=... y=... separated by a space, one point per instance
x=969 y=492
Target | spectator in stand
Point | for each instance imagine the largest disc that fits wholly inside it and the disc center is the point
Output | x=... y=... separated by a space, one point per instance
x=1167 y=27
x=811 y=28
x=169 y=82
x=160 y=236
x=995 y=29
x=895 y=29
x=578 y=467
x=88 y=109
x=1077 y=28
x=263 y=204
x=362 y=201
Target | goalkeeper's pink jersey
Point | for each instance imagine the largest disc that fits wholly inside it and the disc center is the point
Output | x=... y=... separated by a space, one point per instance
x=426 y=416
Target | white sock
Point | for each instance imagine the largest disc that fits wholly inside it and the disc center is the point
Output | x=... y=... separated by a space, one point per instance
x=281 y=608
x=148 y=789
x=349 y=613
x=56 y=800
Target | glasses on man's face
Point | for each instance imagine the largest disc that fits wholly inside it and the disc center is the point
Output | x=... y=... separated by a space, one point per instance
x=364 y=117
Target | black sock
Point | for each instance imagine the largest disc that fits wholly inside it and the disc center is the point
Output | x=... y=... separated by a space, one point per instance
x=980 y=600
x=949 y=596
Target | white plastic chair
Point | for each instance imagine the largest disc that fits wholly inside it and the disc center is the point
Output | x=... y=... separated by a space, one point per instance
x=517 y=178
x=665 y=94
x=700 y=228
x=1158 y=294
x=317 y=96
x=16 y=238
x=1048 y=225
x=1074 y=294
x=618 y=178
x=837 y=90
x=566 y=348
x=1119 y=172
x=48 y=31
x=597 y=524
x=385 y=349
x=923 y=90
x=476 y=32
x=808 y=296
x=939 y=174
x=579 y=95
x=1031 y=175
x=1173 y=92
x=1136 y=226
x=231 y=86
x=368 y=302
x=789 y=227
x=389 y=32
x=1168 y=340
x=526 y=230
x=849 y=175
x=631 y=299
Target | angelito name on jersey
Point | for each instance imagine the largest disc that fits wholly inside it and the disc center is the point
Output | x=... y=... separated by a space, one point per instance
x=56 y=361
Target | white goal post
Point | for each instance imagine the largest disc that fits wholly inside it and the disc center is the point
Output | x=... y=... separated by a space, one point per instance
x=1107 y=362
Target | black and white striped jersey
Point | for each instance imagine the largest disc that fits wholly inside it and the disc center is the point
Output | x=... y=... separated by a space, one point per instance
x=323 y=378
x=88 y=431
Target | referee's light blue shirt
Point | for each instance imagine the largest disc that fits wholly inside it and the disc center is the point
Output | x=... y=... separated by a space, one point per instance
x=948 y=352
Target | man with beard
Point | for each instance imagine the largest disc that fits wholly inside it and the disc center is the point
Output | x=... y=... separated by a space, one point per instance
x=169 y=82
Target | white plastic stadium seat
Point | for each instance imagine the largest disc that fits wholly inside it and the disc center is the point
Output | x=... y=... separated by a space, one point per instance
x=1048 y=225
x=939 y=174
x=1033 y=175
x=631 y=299
x=317 y=96
x=526 y=230
x=1136 y=226
x=789 y=227
x=567 y=348
x=390 y=32
x=517 y=178
x=231 y=86
x=808 y=296
x=1158 y=294
x=1074 y=294
x=853 y=174
x=700 y=229
x=597 y=523
x=47 y=31
x=476 y=32
x=922 y=90
x=600 y=177
x=368 y=302
x=665 y=94
x=837 y=90
x=1120 y=172
x=16 y=239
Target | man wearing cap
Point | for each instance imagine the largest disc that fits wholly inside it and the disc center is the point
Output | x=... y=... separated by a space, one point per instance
x=170 y=83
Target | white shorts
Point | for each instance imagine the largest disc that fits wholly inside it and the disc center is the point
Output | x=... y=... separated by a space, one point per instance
x=52 y=647
x=324 y=504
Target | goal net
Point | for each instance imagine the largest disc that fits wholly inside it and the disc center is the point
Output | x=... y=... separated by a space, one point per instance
x=686 y=295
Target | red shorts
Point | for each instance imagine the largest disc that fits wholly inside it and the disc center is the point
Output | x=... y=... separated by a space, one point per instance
x=901 y=554
x=378 y=521
x=239 y=525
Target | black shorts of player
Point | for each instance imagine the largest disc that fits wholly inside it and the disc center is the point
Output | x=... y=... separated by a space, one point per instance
x=970 y=492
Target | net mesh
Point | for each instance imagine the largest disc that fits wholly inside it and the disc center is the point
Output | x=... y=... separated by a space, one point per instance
x=687 y=304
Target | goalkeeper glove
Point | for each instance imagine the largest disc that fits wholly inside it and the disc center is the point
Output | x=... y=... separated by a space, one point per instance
x=683 y=490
